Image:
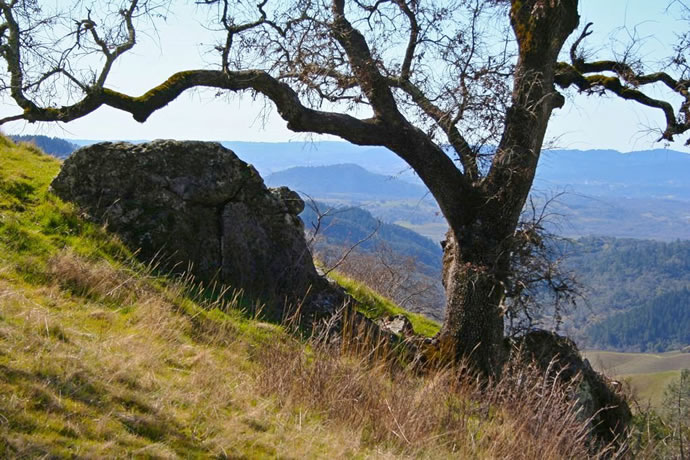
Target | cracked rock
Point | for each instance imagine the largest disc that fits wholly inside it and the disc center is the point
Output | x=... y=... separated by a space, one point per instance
x=197 y=206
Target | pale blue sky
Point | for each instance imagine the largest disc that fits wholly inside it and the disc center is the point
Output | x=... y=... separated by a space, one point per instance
x=584 y=123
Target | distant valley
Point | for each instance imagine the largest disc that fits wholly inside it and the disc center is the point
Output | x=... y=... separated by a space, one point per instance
x=648 y=374
x=640 y=195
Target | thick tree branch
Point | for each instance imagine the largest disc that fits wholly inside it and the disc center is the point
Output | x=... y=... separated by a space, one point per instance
x=299 y=117
x=11 y=51
x=363 y=65
x=569 y=75
x=446 y=122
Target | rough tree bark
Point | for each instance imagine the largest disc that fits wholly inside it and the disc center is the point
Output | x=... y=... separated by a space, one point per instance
x=477 y=250
x=318 y=51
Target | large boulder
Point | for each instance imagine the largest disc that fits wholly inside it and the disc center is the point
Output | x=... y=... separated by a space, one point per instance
x=196 y=206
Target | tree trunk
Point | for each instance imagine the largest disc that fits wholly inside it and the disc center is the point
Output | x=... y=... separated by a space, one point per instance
x=473 y=325
x=476 y=259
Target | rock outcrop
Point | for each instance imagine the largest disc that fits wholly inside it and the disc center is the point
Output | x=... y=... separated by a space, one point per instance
x=597 y=396
x=196 y=206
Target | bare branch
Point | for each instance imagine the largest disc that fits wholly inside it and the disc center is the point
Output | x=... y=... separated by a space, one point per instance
x=406 y=67
x=569 y=75
x=363 y=65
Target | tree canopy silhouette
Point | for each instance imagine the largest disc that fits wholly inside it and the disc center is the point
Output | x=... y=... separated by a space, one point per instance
x=462 y=90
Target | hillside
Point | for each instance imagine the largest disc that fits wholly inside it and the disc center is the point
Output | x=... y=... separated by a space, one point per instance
x=102 y=357
x=628 y=281
x=662 y=323
x=349 y=225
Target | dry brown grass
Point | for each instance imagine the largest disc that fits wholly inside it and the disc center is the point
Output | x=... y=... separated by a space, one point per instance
x=84 y=375
x=97 y=280
x=445 y=412
x=102 y=362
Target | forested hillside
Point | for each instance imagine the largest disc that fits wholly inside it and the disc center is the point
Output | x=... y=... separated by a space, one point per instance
x=350 y=225
x=633 y=285
x=661 y=324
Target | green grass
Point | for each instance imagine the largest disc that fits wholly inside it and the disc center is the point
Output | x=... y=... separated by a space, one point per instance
x=648 y=389
x=375 y=306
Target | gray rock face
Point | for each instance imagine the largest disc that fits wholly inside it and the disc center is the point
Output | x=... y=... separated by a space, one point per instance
x=196 y=206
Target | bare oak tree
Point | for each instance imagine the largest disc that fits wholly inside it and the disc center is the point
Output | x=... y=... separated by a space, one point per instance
x=462 y=90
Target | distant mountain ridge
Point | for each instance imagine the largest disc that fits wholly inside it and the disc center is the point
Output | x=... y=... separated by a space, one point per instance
x=645 y=174
x=642 y=194
x=654 y=172
x=345 y=180
x=655 y=205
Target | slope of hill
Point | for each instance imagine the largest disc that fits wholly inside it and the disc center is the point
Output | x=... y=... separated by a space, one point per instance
x=100 y=357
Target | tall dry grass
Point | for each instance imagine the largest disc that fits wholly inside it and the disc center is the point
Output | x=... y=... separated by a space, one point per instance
x=358 y=382
x=355 y=384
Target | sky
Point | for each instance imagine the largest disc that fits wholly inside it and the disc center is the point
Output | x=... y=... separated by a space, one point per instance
x=584 y=123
